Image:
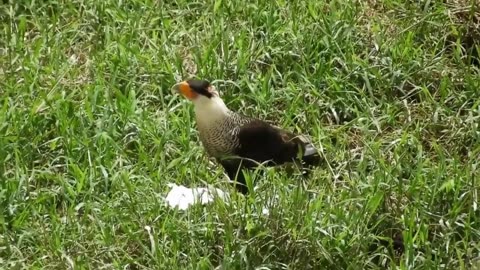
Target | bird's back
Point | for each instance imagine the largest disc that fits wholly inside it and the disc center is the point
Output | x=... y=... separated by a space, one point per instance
x=256 y=140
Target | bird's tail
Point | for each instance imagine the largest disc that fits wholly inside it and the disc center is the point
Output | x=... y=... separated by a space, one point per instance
x=311 y=157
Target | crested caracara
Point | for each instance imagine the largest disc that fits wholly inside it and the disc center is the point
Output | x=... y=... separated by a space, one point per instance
x=238 y=142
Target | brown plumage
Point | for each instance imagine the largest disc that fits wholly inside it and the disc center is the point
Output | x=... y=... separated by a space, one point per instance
x=239 y=142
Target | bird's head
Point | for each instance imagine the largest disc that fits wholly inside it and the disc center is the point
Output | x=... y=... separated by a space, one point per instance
x=205 y=98
x=197 y=91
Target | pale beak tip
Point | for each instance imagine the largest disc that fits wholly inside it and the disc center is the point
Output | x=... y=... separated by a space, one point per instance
x=175 y=88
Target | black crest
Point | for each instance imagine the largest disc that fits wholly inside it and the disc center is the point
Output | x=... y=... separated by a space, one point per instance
x=201 y=87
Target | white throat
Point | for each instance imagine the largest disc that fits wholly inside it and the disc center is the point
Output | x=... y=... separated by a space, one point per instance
x=209 y=110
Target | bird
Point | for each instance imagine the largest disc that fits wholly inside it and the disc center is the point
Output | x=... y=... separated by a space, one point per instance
x=238 y=142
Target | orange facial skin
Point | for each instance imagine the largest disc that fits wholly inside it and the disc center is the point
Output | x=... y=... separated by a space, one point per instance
x=186 y=91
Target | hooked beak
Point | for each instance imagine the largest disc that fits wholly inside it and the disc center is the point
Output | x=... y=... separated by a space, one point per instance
x=184 y=89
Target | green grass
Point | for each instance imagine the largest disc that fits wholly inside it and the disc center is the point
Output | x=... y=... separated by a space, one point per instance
x=90 y=134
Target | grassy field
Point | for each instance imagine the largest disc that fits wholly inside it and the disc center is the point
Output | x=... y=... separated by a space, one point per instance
x=90 y=133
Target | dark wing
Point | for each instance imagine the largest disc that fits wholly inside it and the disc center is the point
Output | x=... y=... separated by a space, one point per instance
x=265 y=143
